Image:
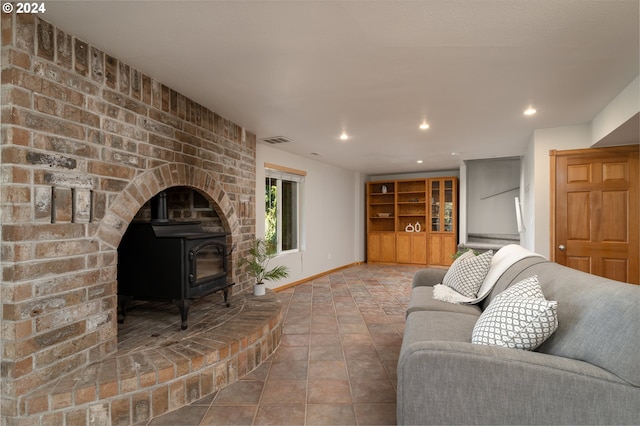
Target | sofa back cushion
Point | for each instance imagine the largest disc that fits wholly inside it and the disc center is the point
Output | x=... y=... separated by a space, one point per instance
x=508 y=277
x=599 y=319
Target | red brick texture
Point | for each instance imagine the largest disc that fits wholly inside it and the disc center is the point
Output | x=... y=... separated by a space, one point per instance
x=86 y=141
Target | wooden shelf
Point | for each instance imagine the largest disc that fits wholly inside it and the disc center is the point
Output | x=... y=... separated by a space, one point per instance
x=415 y=202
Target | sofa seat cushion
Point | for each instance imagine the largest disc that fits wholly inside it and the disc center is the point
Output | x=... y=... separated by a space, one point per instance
x=422 y=300
x=438 y=326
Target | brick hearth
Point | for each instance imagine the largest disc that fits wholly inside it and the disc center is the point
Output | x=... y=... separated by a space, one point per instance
x=87 y=140
x=158 y=367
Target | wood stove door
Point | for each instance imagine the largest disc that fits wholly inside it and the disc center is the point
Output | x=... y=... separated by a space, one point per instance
x=207 y=267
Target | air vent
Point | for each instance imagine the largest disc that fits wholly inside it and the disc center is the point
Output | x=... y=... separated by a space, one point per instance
x=276 y=140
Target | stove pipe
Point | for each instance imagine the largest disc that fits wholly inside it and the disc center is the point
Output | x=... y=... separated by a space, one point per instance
x=159 y=208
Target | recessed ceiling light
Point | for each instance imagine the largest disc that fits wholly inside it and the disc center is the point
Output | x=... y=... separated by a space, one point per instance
x=455 y=153
x=344 y=136
x=530 y=111
x=424 y=125
x=419 y=161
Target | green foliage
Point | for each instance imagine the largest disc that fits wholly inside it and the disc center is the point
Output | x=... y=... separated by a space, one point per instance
x=459 y=253
x=271 y=218
x=260 y=254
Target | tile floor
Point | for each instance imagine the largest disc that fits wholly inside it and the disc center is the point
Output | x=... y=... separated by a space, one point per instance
x=336 y=363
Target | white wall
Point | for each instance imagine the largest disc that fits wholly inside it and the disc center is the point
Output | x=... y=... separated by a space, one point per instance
x=333 y=202
x=462 y=204
x=527 y=196
x=619 y=110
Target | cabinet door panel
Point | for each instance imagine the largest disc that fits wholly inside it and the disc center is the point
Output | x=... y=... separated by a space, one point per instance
x=403 y=247
x=411 y=247
x=373 y=248
x=388 y=247
x=449 y=247
x=434 y=249
x=381 y=247
x=419 y=248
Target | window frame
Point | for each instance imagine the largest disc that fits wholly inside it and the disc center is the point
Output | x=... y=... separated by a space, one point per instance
x=280 y=174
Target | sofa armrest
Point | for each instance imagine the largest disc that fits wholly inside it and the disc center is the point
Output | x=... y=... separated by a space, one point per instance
x=428 y=277
x=462 y=383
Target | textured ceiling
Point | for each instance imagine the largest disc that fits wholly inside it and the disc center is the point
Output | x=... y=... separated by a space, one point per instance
x=309 y=70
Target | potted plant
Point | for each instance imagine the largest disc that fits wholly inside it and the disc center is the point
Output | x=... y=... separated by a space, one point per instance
x=260 y=254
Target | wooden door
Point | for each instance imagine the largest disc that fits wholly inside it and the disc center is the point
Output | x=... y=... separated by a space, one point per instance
x=595 y=206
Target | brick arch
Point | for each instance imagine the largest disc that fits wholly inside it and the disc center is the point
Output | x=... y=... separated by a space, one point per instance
x=124 y=207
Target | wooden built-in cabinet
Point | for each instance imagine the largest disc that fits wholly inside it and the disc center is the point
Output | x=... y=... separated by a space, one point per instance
x=412 y=221
x=381 y=213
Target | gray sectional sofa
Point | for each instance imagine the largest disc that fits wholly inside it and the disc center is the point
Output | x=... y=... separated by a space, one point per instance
x=587 y=372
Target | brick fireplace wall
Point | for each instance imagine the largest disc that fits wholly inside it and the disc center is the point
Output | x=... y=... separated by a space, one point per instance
x=183 y=206
x=87 y=140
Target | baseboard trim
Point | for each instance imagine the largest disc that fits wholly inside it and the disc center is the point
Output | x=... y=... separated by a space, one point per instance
x=313 y=277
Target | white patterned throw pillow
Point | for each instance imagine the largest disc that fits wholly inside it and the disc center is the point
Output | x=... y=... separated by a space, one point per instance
x=516 y=320
x=467 y=273
x=529 y=287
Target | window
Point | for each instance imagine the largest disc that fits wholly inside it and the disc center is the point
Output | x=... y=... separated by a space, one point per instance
x=282 y=207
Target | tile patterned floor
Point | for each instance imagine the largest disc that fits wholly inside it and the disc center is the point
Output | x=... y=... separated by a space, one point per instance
x=336 y=363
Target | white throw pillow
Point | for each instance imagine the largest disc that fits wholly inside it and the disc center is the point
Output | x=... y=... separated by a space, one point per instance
x=467 y=273
x=515 y=320
x=529 y=287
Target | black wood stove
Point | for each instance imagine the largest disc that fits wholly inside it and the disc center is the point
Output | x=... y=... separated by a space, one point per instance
x=168 y=260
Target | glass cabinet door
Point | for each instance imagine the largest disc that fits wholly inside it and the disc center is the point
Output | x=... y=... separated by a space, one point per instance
x=448 y=206
x=435 y=206
x=443 y=204
x=443 y=216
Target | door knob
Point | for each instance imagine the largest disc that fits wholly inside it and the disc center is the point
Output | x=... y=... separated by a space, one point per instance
x=562 y=247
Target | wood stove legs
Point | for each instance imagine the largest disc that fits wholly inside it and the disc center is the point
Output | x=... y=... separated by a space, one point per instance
x=182 y=304
x=225 y=295
x=123 y=301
